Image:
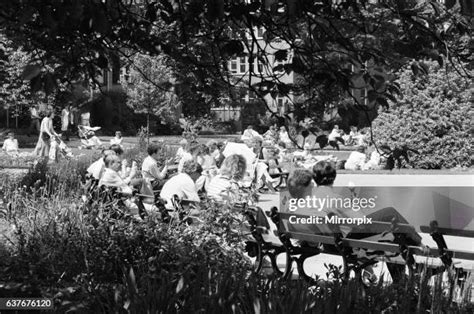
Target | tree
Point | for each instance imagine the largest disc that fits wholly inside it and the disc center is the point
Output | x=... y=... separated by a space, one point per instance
x=150 y=88
x=349 y=45
x=432 y=115
x=15 y=93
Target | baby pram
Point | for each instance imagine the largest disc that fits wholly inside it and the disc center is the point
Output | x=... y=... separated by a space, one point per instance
x=88 y=138
x=59 y=149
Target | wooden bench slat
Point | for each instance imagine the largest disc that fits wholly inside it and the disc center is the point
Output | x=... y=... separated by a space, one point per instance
x=388 y=247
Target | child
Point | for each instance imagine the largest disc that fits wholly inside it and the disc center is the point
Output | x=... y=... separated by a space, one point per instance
x=10 y=145
x=117 y=139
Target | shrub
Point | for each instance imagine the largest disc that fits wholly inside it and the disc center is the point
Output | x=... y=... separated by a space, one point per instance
x=432 y=115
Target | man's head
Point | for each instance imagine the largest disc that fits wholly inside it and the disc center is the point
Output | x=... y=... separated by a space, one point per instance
x=250 y=127
x=117 y=149
x=153 y=149
x=183 y=143
x=113 y=162
x=336 y=127
x=118 y=134
x=192 y=169
x=11 y=135
x=195 y=149
x=324 y=173
x=300 y=183
x=212 y=145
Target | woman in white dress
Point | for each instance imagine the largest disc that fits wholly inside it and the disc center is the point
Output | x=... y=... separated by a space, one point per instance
x=47 y=133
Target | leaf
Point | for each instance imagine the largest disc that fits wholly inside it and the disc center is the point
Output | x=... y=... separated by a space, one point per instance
x=372 y=95
x=415 y=69
x=279 y=68
x=30 y=71
x=383 y=102
x=424 y=68
x=180 y=285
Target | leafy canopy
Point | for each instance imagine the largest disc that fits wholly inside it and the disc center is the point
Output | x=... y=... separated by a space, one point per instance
x=349 y=45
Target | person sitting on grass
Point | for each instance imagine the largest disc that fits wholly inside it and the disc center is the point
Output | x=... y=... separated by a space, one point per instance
x=117 y=140
x=226 y=185
x=335 y=136
x=10 y=145
x=356 y=159
x=250 y=134
x=182 y=184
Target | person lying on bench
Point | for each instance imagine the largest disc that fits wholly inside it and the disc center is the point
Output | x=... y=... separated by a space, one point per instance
x=182 y=184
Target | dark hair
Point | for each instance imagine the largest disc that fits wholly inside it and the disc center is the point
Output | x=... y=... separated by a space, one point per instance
x=152 y=149
x=297 y=181
x=324 y=173
x=117 y=149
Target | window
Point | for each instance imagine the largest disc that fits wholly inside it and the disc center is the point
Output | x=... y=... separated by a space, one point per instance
x=258 y=66
x=280 y=102
x=233 y=65
x=243 y=65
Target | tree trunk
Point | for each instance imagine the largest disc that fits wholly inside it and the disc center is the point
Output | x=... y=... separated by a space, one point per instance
x=148 y=128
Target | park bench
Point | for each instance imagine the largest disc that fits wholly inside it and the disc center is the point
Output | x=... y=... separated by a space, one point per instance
x=112 y=202
x=398 y=254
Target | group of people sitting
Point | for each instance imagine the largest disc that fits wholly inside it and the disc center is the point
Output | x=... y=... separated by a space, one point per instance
x=364 y=158
x=201 y=168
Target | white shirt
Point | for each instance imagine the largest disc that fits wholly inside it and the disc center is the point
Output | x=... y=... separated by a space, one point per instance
x=334 y=133
x=150 y=170
x=181 y=185
x=116 y=141
x=284 y=137
x=250 y=134
x=221 y=188
x=47 y=127
x=186 y=157
x=64 y=119
x=34 y=113
x=112 y=178
x=179 y=154
x=96 y=168
x=355 y=161
x=10 y=145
